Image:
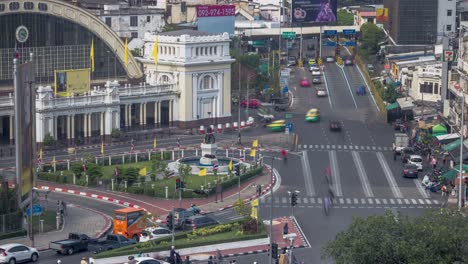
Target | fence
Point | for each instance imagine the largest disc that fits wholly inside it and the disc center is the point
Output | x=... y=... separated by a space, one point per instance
x=11 y=222
x=375 y=92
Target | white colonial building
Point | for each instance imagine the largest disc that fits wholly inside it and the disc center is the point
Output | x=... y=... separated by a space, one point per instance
x=199 y=64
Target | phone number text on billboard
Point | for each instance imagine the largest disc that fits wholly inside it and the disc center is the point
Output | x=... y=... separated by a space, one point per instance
x=215 y=10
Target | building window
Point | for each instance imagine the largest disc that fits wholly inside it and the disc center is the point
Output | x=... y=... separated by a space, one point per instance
x=148 y=19
x=436 y=88
x=426 y=87
x=448 y=28
x=14 y=6
x=134 y=34
x=109 y=22
x=42 y=7
x=207 y=83
x=449 y=12
x=28 y=6
x=134 y=21
x=164 y=79
x=2 y=7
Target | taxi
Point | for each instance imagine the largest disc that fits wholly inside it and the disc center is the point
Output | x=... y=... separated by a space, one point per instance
x=277 y=126
x=312 y=62
x=313 y=115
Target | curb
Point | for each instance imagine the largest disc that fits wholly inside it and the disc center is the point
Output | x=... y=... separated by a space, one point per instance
x=254 y=252
x=108 y=224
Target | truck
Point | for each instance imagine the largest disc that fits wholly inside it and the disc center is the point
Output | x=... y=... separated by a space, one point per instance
x=401 y=142
x=74 y=243
x=111 y=242
x=280 y=104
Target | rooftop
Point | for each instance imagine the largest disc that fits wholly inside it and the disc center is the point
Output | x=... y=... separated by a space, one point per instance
x=190 y=32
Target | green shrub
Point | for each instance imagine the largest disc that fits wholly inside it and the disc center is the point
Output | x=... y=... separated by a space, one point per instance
x=19 y=233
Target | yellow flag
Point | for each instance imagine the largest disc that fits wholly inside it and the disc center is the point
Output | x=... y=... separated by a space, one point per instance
x=202 y=172
x=102 y=148
x=53 y=161
x=40 y=153
x=255 y=143
x=230 y=165
x=91 y=55
x=142 y=172
x=126 y=52
x=155 y=51
x=154 y=143
x=253 y=153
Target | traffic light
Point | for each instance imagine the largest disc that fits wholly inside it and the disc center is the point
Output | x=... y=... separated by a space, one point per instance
x=294 y=199
x=237 y=170
x=170 y=221
x=178 y=183
x=274 y=251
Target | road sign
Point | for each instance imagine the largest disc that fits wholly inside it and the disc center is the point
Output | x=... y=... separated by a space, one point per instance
x=285 y=89
x=329 y=43
x=288 y=116
x=449 y=55
x=288 y=35
x=349 y=31
x=285 y=73
x=290 y=126
x=37 y=210
x=284 y=81
x=348 y=43
x=258 y=43
x=330 y=32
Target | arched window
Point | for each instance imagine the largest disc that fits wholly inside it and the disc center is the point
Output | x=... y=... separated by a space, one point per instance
x=207 y=83
x=164 y=79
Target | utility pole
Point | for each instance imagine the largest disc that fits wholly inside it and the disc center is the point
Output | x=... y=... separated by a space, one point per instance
x=279 y=46
x=271 y=211
x=462 y=130
x=239 y=105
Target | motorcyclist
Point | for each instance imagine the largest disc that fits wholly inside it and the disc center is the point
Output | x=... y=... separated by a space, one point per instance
x=426 y=181
x=195 y=209
x=284 y=153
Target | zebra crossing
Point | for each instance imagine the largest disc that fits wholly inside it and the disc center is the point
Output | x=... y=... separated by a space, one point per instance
x=343 y=202
x=344 y=147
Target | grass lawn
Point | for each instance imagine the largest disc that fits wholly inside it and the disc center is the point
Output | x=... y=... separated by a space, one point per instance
x=49 y=221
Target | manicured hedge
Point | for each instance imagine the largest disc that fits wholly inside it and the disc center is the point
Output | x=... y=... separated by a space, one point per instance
x=20 y=233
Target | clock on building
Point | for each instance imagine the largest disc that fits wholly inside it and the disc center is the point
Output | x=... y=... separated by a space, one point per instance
x=22 y=34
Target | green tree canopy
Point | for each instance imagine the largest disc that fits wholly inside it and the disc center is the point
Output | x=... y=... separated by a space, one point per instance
x=372 y=35
x=435 y=237
x=345 y=18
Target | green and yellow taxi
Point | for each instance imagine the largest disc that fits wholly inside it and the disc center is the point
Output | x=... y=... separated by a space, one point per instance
x=277 y=126
x=313 y=115
x=312 y=62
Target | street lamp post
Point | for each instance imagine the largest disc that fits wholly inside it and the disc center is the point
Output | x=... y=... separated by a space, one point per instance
x=462 y=130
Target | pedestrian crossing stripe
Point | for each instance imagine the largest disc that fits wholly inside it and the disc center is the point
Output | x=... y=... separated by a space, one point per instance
x=311 y=201
x=346 y=147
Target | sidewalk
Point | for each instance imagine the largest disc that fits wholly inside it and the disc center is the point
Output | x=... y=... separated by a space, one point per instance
x=159 y=206
x=78 y=220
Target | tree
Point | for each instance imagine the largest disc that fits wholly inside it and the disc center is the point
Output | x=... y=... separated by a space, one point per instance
x=345 y=18
x=48 y=140
x=241 y=208
x=184 y=170
x=372 y=35
x=129 y=174
x=435 y=237
x=159 y=167
x=94 y=171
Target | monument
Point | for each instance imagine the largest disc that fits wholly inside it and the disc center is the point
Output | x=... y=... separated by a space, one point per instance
x=208 y=148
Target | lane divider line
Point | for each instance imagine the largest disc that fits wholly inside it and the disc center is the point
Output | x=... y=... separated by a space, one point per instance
x=362 y=175
x=389 y=175
x=307 y=174
x=328 y=90
x=349 y=86
x=335 y=173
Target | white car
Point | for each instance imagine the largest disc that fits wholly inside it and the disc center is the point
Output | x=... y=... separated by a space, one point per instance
x=13 y=253
x=416 y=160
x=148 y=260
x=314 y=68
x=321 y=92
x=330 y=59
x=152 y=233
x=316 y=73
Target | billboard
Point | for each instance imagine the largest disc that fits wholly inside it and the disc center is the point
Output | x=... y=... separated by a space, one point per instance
x=26 y=99
x=320 y=12
x=72 y=82
x=381 y=15
x=216 y=18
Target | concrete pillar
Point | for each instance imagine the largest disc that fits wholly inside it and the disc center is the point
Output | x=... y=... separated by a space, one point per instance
x=107 y=122
x=159 y=114
x=55 y=127
x=72 y=141
x=50 y=126
x=85 y=125
x=141 y=114
x=117 y=120
x=170 y=112
x=12 y=125
x=90 y=128
x=129 y=115
x=144 y=114
x=101 y=127
x=68 y=129
x=63 y=120
x=155 y=114
x=126 y=115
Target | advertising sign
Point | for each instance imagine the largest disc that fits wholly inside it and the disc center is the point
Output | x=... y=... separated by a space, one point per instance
x=72 y=82
x=26 y=99
x=381 y=15
x=320 y=12
x=216 y=18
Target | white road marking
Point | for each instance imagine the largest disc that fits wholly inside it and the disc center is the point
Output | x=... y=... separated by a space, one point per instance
x=328 y=90
x=335 y=173
x=421 y=201
x=421 y=189
x=306 y=201
x=389 y=175
x=307 y=174
x=348 y=200
x=349 y=86
x=362 y=175
x=284 y=200
x=428 y=201
x=356 y=201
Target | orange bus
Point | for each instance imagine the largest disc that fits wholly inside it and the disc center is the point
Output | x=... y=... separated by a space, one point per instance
x=129 y=222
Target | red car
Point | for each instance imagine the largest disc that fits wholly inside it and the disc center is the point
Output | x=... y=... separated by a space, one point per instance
x=253 y=103
x=305 y=83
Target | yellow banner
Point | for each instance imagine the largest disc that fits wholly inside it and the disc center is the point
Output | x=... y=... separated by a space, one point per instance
x=72 y=82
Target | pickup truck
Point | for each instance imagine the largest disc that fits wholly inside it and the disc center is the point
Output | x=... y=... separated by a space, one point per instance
x=74 y=243
x=401 y=142
x=111 y=242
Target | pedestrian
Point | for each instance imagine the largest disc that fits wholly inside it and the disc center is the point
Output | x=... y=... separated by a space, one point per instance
x=394 y=155
x=434 y=162
x=285 y=229
x=443 y=190
x=219 y=256
x=210 y=260
x=451 y=164
x=83 y=260
x=132 y=260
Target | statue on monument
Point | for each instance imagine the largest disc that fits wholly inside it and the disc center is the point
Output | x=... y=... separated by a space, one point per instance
x=209 y=137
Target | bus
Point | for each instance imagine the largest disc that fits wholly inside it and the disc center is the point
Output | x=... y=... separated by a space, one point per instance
x=129 y=222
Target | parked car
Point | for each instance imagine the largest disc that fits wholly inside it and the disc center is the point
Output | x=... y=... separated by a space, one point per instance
x=111 y=242
x=410 y=171
x=13 y=253
x=321 y=92
x=416 y=160
x=316 y=80
x=253 y=103
x=199 y=221
x=316 y=73
x=370 y=68
x=335 y=126
x=304 y=82
x=74 y=243
x=330 y=59
x=152 y=233
x=148 y=260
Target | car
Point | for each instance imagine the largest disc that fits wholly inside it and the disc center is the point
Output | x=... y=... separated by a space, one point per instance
x=316 y=73
x=148 y=260
x=410 y=171
x=316 y=80
x=321 y=92
x=304 y=82
x=292 y=61
x=312 y=62
x=335 y=126
x=314 y=68
x=199 y=221
x=253 y=103
x=370 y=68
x=348 y=62
x=152 y=233
x=416 y=160
x=406 y=153
x=13 y=253
x=361 y=90
x=330 y=59
x=312 y=115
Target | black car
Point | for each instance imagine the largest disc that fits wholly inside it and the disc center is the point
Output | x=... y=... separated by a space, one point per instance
x=410 y=171
x=335 y=126
x=406 y=153
x=199 y=221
